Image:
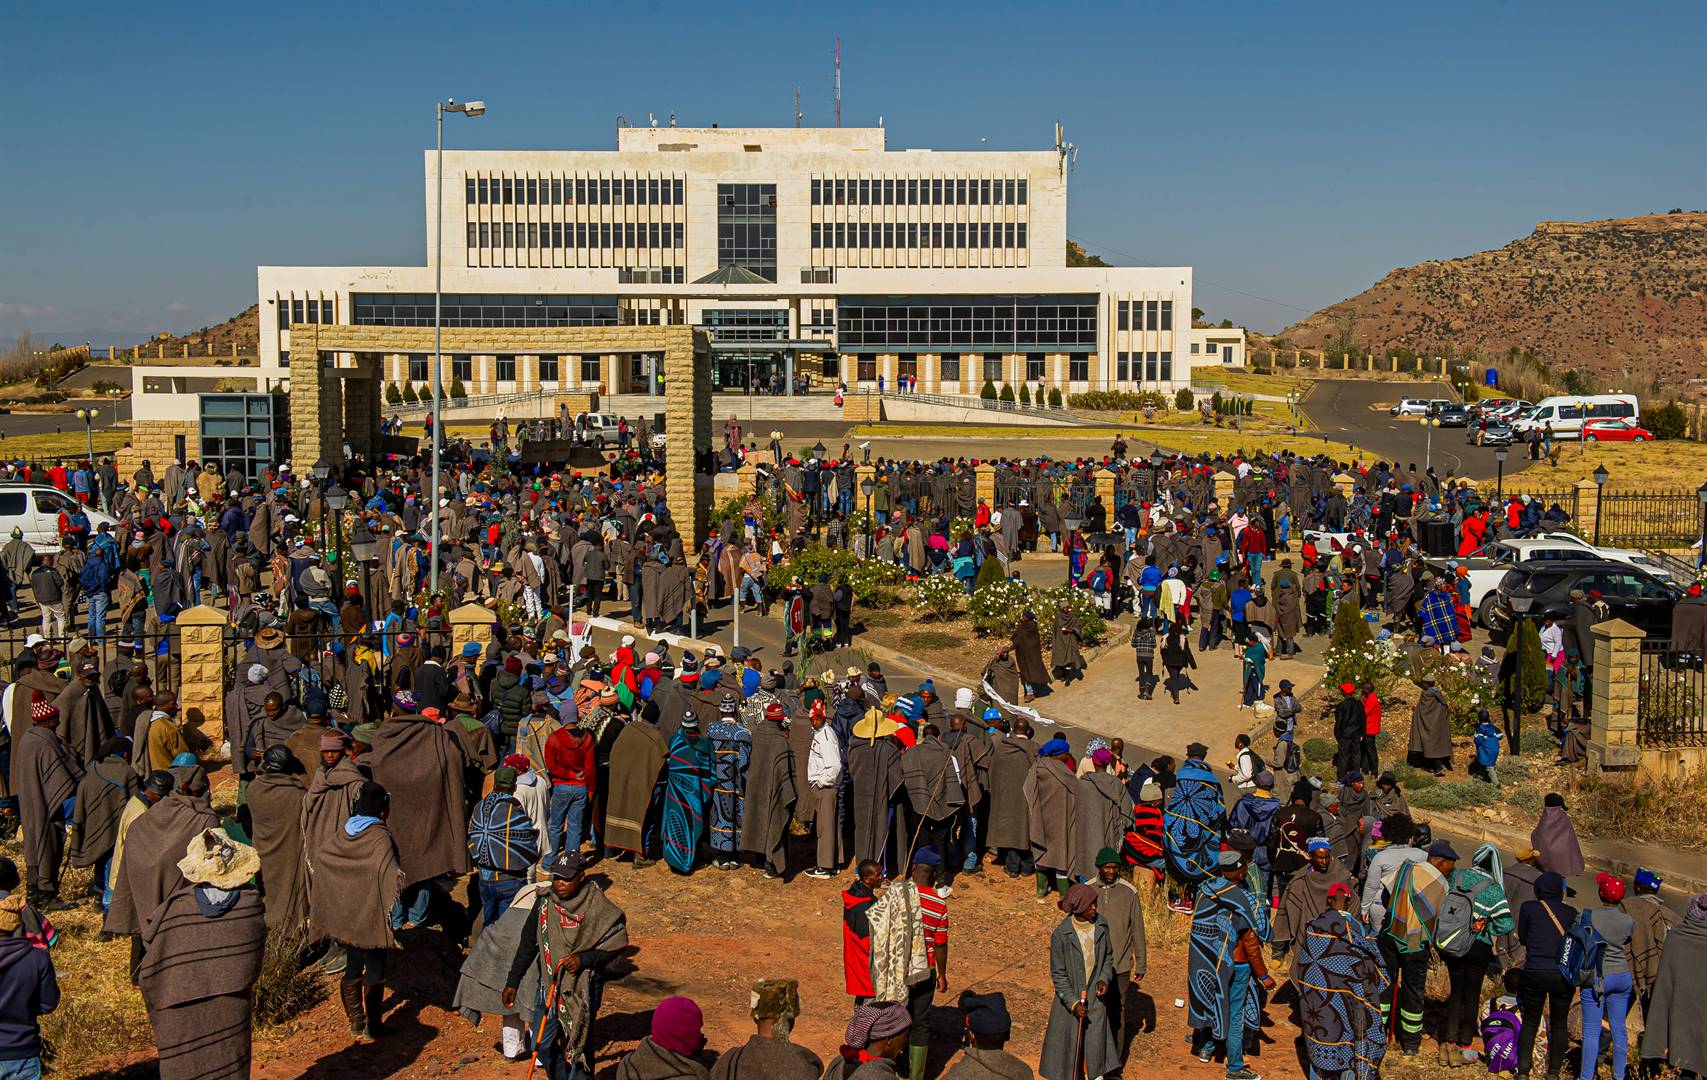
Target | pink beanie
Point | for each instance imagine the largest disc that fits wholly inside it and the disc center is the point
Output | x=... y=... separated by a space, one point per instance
x=676 y=1024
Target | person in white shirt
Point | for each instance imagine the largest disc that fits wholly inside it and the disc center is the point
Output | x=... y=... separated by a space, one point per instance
x=1552 y=643
x=823 y=779
x=1245 y=764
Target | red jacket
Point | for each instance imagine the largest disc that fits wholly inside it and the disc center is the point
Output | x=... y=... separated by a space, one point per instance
x=856 y=939
x=1472 y=534
x=569 y=759
x=1372 y=715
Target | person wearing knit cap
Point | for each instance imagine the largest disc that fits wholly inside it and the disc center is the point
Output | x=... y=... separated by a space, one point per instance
x=502 y=844
x=45 y=773
x=987 y=1026
x=774 y=1004
x=1351 y=726
x=1651 y=921
x=674 y=1049
x=1120 y=909
x=875 y=1036
x=1222 y=988
x=1051 y=792
x=1081 y=969
x=770 y=790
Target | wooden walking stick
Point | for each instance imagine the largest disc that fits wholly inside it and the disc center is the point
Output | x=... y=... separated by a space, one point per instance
x=550 y=1007
x=1079 y=1036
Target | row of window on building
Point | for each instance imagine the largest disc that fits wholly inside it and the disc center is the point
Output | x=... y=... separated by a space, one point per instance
x=462 y=367
x=936 y=191
x=1149 y=366
x=952 y=367
x=886 y=234
x=580 y=234
x=305 y=311
x=1145 y=314
x=571 y=191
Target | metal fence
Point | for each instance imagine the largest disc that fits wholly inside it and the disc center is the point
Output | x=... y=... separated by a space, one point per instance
x=1650 y=519
x=1565 y=497
x=1671 y=698
x=1137 y=485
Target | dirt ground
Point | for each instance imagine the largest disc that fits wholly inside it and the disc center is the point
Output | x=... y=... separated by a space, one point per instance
x=710 y=936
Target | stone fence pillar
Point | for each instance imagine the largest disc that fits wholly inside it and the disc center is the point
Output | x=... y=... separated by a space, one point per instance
x=1613 y=698
x=1345 y=482
x=1224 y=487
x=471 y=622
x=985 y=484
x=201 y=684
x=1588 y=508
x=1105 y=490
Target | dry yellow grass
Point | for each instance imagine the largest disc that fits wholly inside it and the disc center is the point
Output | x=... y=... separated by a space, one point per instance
x=1249 y=382
x=66 y=444
x=1672 y=465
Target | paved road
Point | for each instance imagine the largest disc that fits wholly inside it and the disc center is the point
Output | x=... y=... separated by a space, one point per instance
x=1343 y=409
x=46 y=423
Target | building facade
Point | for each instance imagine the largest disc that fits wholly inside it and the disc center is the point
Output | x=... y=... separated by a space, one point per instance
x=814 y=252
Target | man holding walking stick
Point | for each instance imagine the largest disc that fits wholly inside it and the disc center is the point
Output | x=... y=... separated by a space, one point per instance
x=1079 y=1041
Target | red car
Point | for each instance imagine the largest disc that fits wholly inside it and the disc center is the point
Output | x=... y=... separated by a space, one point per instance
x=1615 y=431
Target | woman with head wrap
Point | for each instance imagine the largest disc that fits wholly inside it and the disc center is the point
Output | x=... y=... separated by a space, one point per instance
x=1675 y=1032
x=875 y=1035
x=1079 y=1039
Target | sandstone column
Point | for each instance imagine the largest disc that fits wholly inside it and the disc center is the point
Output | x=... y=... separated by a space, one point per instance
x=1613 y=699
x=471 y=623
x=201 y=688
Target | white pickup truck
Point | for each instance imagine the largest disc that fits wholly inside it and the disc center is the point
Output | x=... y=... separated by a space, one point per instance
x=1489 y=563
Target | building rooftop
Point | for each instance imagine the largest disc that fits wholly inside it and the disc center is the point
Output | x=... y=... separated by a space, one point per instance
x=751 y=139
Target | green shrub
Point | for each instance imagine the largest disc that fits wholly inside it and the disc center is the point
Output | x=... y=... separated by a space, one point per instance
x=989 y=391
x=996 y=607
x=1455 y=795
x=409 y=393
x=1092 y=628
x=1530 y=671
x=1024 y=394
x=1351 y=629
x=1054 y=397
x=1412 y=779
x=1666 y=422
x=938 y=596
x=457 y=390
x=1183 y=401
x=1317 y=751
x=1007 y=394
x=393 y=396
x=989 y=571
x=1383 y=739
x=107 y=386
x=1119 y=400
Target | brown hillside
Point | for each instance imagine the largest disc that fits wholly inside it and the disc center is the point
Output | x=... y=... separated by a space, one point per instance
x=242 y=329
x=1624 y=298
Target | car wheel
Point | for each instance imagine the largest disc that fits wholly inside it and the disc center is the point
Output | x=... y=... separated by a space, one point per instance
x=1638 y=438
x=1591 y=437
x=1484 y=613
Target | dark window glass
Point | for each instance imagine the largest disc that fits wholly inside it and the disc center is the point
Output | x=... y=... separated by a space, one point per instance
x=533 y=192
x=1123 y=315
x=485 y=235
x=1167 y=314
x=912 y=193
x=473 y=233
x=950 y=367
x=984 y=192
x=1166 y=373
x=1022 y=194
x=936 y=192
x=865 y=192
x=888 y=192
x=509 y=191
x=678 y=192
x=548 y=369
x=483 y=189
x=1078 y=367
x=462 y=367
x=907 y=364
x=817 y=192
x=580 y=189
x=1034 y=367
x=506 y=369
x=628 y=191
x=471 y=185
x=992 y=367
x=284 y=314
x=1020 y=242
x=418 y=367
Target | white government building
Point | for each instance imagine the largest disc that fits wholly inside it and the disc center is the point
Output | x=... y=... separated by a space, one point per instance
x=816 y=251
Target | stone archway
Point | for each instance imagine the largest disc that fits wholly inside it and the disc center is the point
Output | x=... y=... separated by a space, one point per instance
x=330 y=403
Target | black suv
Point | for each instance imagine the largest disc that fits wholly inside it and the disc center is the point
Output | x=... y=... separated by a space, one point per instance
x=1544 y=588
x=1451 y=415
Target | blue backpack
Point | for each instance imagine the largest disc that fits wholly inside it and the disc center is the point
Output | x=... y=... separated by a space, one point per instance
x=97 y=575
x=1581 y=952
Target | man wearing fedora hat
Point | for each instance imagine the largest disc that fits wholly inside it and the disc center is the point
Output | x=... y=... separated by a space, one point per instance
x=202 y=949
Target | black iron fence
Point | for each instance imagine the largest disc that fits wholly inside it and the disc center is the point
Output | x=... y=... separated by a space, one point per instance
x=1650 y=519
x=1671 y=698
x=1137 y=485
x=1565 y=498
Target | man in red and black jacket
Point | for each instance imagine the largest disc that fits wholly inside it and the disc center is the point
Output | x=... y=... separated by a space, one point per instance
x=856 y=929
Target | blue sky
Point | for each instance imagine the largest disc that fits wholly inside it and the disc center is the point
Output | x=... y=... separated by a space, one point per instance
x=1292 y=153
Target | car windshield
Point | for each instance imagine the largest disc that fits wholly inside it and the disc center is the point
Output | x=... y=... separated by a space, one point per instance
x=1534 y=583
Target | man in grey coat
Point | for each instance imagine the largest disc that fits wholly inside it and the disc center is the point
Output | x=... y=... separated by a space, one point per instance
x=1081 y=967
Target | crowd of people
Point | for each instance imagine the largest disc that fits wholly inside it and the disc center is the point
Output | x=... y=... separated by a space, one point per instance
x=383 y=765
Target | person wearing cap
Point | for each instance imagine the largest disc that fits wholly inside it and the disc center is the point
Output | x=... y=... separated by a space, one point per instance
x=1350 y=729
x=1306 y=894
x=502 y=844
x=576 y=934
x=1651 y=920
x=202 y=951
x=355 y=883
x=1609 y=995
x=572 y=766
x=1222 y=988
x=84 y=719
x=1431 y=729
x=1339 y=978
x=1388 y=798
x=45 y=773
x=731 y=745
x=1468 y=959
x=511 y=696
x=1542 y=924
x=276 y=796
x=1119 y=907
x=986 y=1027
x=768 y=1054
x=1390 y=905
x=1254 y=813
x=1081 y=972
x=675 y=1050
x=936 y=795
x=1051 y=793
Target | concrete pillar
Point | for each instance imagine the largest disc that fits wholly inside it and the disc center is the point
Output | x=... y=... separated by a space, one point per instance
x=1613 y=698
x=201 y=687
x=1588 y=508
x=1105 y=489
x=985 y=486
x=471 y=622
x=1345 y=482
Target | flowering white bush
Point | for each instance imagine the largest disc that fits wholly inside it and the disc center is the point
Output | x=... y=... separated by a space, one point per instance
x=996 y=607
x=1379 y=663
x=938 y=596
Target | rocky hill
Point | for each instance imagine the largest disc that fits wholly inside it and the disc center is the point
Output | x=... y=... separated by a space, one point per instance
x=1624 y=299
x=242 y=329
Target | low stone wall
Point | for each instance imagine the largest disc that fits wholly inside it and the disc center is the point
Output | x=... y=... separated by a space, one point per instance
x=155 y=441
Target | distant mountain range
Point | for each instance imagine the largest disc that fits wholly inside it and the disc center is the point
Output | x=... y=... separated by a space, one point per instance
x=1624 y=299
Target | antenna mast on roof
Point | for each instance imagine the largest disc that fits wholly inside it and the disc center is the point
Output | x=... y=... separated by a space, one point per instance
x=1067 y=155
x=838 y=82
x=798 y=115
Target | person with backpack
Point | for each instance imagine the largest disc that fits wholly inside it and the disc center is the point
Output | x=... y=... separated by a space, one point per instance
x=1610 y=984
x=1541 y=924
x=1476 y=913
x=96 y=583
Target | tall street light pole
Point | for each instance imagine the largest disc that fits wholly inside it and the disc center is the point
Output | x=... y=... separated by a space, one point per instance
x=467 y=108
x=1600 y=478
x=1499 y=476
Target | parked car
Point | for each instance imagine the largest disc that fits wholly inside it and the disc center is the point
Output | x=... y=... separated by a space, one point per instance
x=35 y=508
x=1411 y=406
x=1532 y=591
x=1497 y=433
x=1565 y=415
x=1451 y=414
x=598 y=428
x=1615 y=431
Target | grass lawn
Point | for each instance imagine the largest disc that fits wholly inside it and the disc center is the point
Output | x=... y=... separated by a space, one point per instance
x=1215 y=440
x=986 y=431
x=1672 y=465
x=1248 y=382
x=65 y=444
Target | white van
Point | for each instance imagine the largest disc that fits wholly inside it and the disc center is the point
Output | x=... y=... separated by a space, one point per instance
x=35 y=508
x=1565 y=415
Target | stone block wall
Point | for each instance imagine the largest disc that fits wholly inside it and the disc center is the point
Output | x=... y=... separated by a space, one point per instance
x=155 y=441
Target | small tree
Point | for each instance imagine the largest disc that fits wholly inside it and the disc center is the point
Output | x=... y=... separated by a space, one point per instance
x=1351 y=629
x=393 y=396
x=1183 y=401
x=989 y=391
x=1528 y=676
x=457 y=390
x=1054 y=397
x=1217 y=404
x=1007 y=393
x=409 y=393
x=1666 y=422
x=1024 y=394
x=989 y=570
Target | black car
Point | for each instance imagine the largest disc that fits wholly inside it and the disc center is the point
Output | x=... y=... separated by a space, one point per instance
x=1452 y=416
x=1544 y=588
x=1497 y=434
